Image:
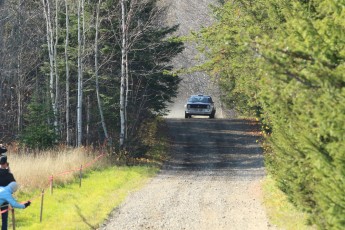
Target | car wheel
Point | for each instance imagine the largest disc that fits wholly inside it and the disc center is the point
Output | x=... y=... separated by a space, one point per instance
x=212 y=116
x=186 y=115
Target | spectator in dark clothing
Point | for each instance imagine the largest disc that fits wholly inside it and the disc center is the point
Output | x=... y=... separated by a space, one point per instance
x=6 y=177
x=3 y=149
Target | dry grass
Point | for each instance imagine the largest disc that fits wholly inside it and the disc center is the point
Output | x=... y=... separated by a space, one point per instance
x=33 y=171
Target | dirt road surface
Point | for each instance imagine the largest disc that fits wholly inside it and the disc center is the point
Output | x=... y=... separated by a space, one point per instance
x=211 y=181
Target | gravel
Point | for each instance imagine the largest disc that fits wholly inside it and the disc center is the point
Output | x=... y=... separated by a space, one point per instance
x=212 y=179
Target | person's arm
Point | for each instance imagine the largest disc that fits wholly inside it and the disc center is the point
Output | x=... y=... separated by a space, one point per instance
x=14 y=203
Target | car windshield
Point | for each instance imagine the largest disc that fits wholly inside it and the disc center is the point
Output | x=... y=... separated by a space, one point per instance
x=200 y=99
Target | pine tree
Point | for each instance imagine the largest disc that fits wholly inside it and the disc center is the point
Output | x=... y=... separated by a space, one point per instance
x=39 y=133
x=285 y=60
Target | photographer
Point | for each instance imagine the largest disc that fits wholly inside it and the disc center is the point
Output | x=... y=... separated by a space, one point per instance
x=6 y=177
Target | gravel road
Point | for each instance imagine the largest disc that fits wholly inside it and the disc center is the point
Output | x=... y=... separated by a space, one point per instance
x=211 y=181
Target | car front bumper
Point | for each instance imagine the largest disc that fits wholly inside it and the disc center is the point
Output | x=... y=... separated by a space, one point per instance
x=200 y=112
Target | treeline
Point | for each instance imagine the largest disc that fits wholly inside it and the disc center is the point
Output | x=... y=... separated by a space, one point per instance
x=79 y=72
x=283 y=61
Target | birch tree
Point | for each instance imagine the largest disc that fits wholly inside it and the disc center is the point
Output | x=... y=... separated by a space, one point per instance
x=138 y=24
x=124 y=87
x=127 y=56
x=52 y=56
x=68 y=138
x=20 y=39
x=18 y=70
x=57 y=87
x=80 y=77
x=123 y=76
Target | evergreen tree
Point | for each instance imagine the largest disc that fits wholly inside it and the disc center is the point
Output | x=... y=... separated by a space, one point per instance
x=39 y=133
x=285 y=60
x=304 y=64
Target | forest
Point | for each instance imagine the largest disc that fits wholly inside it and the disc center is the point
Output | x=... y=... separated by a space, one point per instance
x=83 y=72
x=283 y=62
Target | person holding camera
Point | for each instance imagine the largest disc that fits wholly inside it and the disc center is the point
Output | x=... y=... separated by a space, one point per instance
x=6 y=196
x=6 y=177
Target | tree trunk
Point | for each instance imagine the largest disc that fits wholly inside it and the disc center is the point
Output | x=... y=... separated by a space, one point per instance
x=19 y=72
x=123 y=78
x=88 y=108
x=49 y=35
x=68 y=138
x=127 y=94
x=80 y=81
x=57 y=87
x=96 y=74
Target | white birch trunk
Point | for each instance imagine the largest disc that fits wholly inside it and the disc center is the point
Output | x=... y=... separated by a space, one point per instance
x=123 y=78
x=127 y=92
x=49 y=35
x=88 y=108
x=80 y=81
x=68 y=138
x=20 y=80
x=56 y=67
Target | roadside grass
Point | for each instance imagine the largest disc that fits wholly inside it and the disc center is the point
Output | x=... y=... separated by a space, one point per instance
x=103 y=186
x=85 y=207
x=280 y=211
x=32 y=171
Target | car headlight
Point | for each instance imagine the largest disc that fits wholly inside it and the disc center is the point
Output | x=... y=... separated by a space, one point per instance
x=188 y=106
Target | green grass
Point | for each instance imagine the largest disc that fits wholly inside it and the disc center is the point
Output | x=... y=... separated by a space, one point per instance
x=85 y=207
x=280 y=211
